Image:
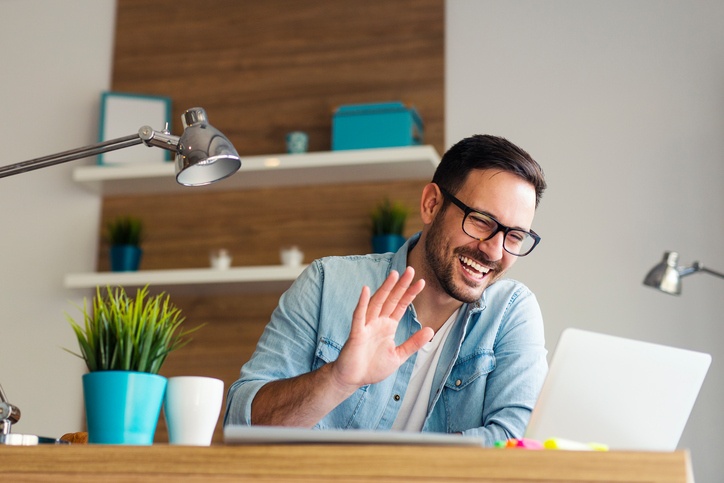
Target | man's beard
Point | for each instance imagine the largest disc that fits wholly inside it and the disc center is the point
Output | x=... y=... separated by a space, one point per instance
x=442 y=268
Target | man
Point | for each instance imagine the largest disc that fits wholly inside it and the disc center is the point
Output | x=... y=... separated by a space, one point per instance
x=467 y=357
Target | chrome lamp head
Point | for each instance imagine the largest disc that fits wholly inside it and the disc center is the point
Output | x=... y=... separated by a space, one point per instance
x=666 y=276
x=203 y=154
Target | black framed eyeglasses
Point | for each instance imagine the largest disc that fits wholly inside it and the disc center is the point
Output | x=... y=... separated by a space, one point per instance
x=483 y=226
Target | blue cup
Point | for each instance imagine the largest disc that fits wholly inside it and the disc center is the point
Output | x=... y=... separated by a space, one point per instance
x=297 y=142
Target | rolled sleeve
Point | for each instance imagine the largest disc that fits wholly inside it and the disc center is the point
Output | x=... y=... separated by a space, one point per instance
x=286 y=347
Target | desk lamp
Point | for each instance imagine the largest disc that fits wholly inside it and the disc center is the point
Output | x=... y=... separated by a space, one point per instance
x=203 y=155
x=666 y=276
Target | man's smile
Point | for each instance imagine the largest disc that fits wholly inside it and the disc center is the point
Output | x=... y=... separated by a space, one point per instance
x=473 y=268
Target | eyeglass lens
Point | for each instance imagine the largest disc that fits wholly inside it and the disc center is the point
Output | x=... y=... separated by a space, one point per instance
x=482 y=227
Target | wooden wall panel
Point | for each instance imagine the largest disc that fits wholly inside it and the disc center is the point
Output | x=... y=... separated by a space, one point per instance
x=322 y=220
x=261 y=69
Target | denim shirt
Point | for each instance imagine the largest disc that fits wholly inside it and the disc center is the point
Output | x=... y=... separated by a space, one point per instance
x=487 y=380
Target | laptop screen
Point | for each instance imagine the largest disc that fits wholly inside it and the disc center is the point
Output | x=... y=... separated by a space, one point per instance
x=623 y=393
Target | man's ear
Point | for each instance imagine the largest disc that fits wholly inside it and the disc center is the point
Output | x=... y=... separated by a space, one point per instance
x=430 y=202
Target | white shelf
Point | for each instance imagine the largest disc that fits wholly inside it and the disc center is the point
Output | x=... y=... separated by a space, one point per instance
x=362 y=165
x=193 y=281
x=359 y=165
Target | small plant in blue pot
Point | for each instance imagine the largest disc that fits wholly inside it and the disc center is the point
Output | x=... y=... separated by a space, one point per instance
x=388 y=226
x=124 y=234
x=124 y=340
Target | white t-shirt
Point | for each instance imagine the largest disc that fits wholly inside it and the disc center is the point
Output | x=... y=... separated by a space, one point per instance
x=413 y=411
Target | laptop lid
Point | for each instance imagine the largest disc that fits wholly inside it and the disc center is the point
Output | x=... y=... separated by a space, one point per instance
x=627 y=394
x=242 y=434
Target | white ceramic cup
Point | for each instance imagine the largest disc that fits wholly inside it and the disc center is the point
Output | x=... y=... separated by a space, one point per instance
x=291 y=256
x=220 y=259
x=191 y=408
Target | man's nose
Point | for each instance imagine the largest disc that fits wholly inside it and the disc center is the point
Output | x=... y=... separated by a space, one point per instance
x=493 y=248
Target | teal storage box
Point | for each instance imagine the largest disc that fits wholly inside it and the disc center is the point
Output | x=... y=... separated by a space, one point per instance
x=381 y=125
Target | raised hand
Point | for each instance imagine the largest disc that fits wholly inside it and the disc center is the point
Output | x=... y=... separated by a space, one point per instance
x=370 y=354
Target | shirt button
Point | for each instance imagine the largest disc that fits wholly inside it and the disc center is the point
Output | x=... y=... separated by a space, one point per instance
x=396 y=397
x=458 y=382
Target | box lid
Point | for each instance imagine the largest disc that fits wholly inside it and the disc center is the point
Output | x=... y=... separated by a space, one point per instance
x=371 y=108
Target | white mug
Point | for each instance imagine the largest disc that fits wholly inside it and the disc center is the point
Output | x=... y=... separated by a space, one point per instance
x=220 y=259
x=291 y=256
x=191 y=407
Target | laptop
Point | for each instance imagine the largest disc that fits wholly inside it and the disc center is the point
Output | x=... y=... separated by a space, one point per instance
x=242 y=434
x=623 y=393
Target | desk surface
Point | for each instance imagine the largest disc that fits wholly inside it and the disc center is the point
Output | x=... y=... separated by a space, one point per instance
x=339 y=463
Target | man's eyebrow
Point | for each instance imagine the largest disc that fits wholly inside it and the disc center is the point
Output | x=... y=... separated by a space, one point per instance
x=486 y=213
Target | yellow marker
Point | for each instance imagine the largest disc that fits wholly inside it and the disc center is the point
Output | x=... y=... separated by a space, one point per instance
x=565 y=444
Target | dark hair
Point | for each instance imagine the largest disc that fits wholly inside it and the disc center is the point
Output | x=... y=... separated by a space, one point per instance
x=483 y=151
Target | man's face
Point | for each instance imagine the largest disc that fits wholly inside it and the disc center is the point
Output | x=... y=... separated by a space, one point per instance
x=462 y=266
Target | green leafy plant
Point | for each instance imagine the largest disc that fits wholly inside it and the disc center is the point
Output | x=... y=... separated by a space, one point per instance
x=388 y=218
x=124 y=230
x=124 y=333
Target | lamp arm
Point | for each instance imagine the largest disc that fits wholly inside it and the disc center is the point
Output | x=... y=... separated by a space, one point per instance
x=70 y=155
x=161 y=139
x=684 y=271
x=711 y=272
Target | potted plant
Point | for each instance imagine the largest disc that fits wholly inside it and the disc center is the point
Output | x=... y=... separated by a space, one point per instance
x=124 y=341
x=388 y=226
x=124 y=234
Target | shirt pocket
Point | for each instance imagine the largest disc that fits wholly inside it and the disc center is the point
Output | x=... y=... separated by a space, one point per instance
x=347 y=413
x=327 y=351
x=468 y=369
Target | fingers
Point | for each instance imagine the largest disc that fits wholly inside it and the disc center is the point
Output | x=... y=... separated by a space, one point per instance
x=359 y=316
x=407 y=298
x=378 y=300
x=395 y=294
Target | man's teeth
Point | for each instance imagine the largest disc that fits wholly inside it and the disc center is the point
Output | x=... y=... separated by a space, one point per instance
x=472 y=263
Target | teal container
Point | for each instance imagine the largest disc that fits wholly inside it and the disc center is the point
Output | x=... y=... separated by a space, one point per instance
x=387 y=243
x=123 y=407
x=125 y=258
x=378 y=125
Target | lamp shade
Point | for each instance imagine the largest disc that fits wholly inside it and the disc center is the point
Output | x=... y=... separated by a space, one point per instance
x=204 y=154
x=665 y=276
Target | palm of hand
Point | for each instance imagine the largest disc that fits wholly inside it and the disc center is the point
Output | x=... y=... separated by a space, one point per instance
x=371 y=354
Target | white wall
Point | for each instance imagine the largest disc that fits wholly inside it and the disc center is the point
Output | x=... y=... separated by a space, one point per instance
x=54 y=62
x=623 y=104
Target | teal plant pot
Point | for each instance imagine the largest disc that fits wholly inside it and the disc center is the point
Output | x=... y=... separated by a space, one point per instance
x=387 y=243
x=125 y=258
x=123 y=407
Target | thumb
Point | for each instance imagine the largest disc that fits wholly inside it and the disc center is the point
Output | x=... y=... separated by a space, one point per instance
x=415 y=342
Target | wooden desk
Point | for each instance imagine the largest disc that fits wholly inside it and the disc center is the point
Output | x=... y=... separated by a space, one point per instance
x=339 y=463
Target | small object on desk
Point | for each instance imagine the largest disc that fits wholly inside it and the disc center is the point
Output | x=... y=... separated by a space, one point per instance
x=565 y=444
x=192 y=406
x=528 y=443
x=75 y=438
x=524 y=443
